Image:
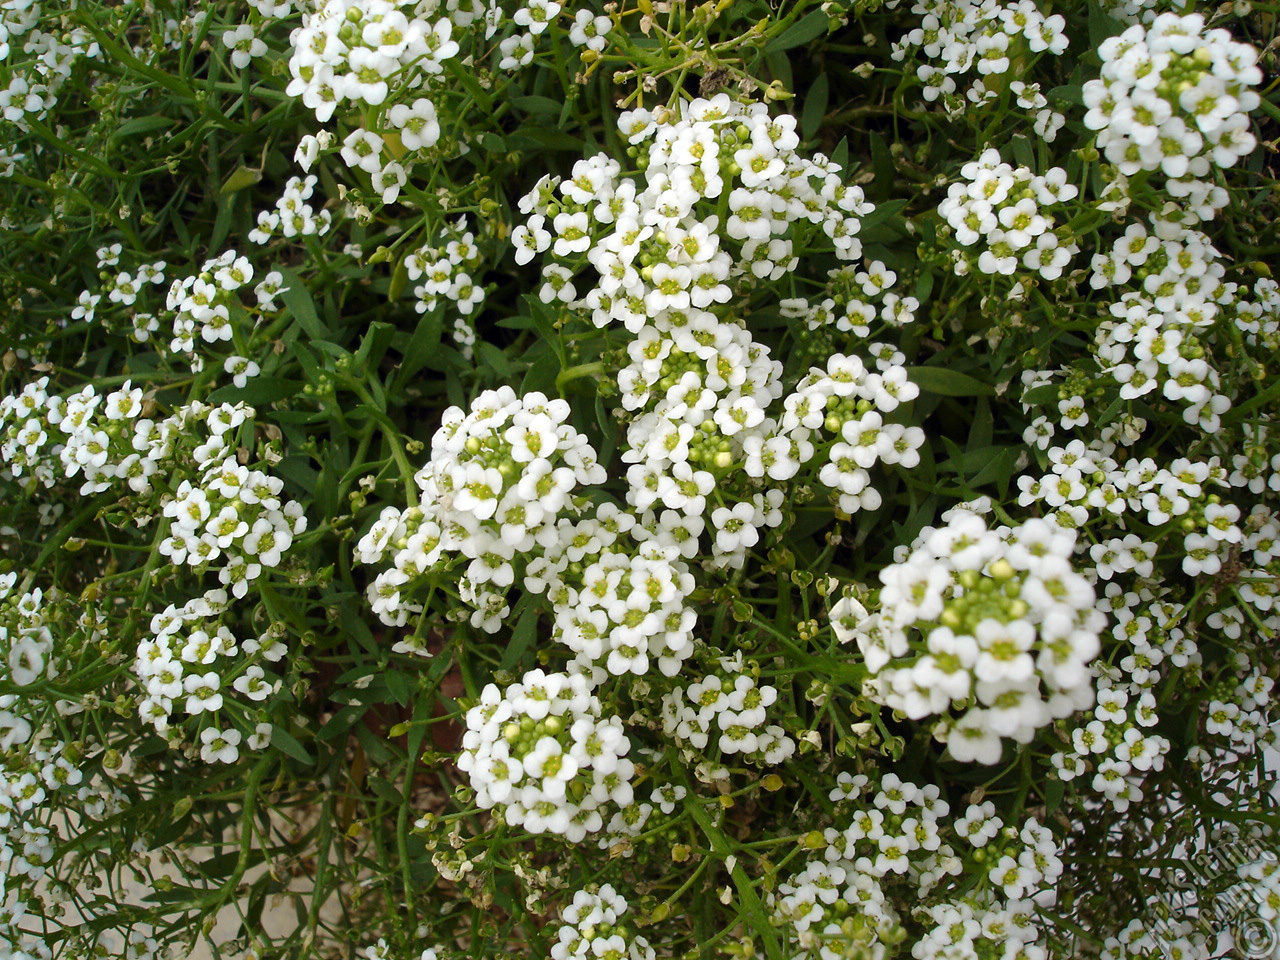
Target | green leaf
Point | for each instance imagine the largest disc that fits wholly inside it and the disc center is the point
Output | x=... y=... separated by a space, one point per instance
x=536 y=105
x=531 y=138
x=385 y=790
x=998 y=469
x=298 y=471
x=1053 y=793
x=948 y=383
x=241 y=178
x=422 y=349
x=882 y=167
x=287 y=744
x=752 y=909
x=798 y=34
x=140 y=126
x=924 y=286
x=399 y=280
x=840 y=155
x=1041 y=395
x=257 y=392
x=1102 y=24
x=1072 y=93
x=542 y=374
x=374 y=345
x=341 y=722
x=467 y=78
x=982 y=428
x=297 y=298
x=398 y=686
x=815 y=106
x=522 y=637
x=494 y=358
x=881 y=214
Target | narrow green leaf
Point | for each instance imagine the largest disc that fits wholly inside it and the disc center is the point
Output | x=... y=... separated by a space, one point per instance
x=299 y=303
x=257 y=392
x=522 y=637
x=241 y=178
x=287 y=744
x=753 y=909
x=398 y=686
x=815 y=106
x=374 y=345
x=948 y=383
x=798 y=34
x=544 y=106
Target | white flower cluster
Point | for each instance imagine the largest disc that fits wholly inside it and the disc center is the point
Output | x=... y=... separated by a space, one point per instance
x=499 y=491
x=1160 y=335
x=1117 y=745
x=1010 y=212
x=1174 y=97
x=382 y=951
x=25 y=643
x=1263 y=877
x=661 y=254
x=1237 y=873
x=857 y=298
x=229 y=511
x=191 y=664
x=898 y=829
x=446 y=271
x=830 y=908
x=220 y=507
x=1117 y=742
x=122 y=290
x=1021 y=862
x=995 y=40
x=636 y=817
x=206 y=306
x=665 y=259
x=41 y=774
x=1242 y=716
x=848 y=399
x=498 y=479
x=37 y=63
x=618 y=591
x=995 y=623
x=732 y=705
x=1086 y=484
x=592 y=927
x=1174 y=936
x=385 y=56
x=104 y=439
x=244 y=45
x=293 y=215
x=366 y=51
x=531 y=19
x=969 y=928
x=541 y=751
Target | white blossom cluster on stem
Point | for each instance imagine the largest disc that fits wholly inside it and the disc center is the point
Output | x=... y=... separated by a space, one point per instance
x=447 y=271
x=993 y=623
x=542 y=751
x=43 y=771
x=1174 y=97
x=993 y=40
x=731 y=710
x=1007 y=212
x=592 y=926
x=193 y=665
